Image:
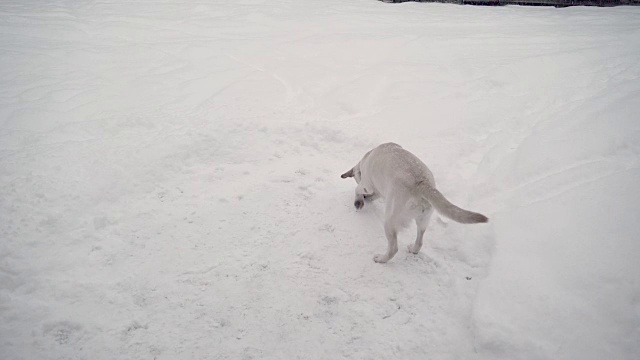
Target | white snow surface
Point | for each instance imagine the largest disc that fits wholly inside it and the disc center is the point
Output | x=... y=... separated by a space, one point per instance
x=169 y=180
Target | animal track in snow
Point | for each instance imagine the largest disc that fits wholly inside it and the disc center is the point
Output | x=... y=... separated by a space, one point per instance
x=63 y=332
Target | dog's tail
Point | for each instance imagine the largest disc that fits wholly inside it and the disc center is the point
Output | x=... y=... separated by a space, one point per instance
x=446 y=208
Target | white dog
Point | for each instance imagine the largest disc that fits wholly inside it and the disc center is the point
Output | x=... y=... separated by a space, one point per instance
x=409 y=191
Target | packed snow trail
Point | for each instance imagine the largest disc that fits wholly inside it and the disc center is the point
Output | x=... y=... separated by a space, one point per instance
x=169 y=180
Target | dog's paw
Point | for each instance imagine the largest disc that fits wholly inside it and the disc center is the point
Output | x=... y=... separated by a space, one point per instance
x=412 y=249
x=359 y=204
x=380 y=258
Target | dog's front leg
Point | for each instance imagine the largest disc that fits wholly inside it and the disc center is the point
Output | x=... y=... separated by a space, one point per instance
x=359 y=200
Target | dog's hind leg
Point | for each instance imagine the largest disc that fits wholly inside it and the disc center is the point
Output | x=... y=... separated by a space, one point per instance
x=392 y=212
x=392 y=237
x=422 y=221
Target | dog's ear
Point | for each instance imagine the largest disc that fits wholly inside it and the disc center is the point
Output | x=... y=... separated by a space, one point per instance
x=348 y=174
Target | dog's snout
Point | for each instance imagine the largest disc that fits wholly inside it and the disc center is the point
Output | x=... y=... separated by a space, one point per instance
x=359 y=204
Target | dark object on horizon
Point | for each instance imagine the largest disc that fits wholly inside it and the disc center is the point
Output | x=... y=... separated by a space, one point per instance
x=556 y=3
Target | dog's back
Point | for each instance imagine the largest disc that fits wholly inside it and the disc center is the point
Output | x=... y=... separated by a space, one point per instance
x=390 y=169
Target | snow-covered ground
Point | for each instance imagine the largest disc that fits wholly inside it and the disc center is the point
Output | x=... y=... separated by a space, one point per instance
x=169 y=180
